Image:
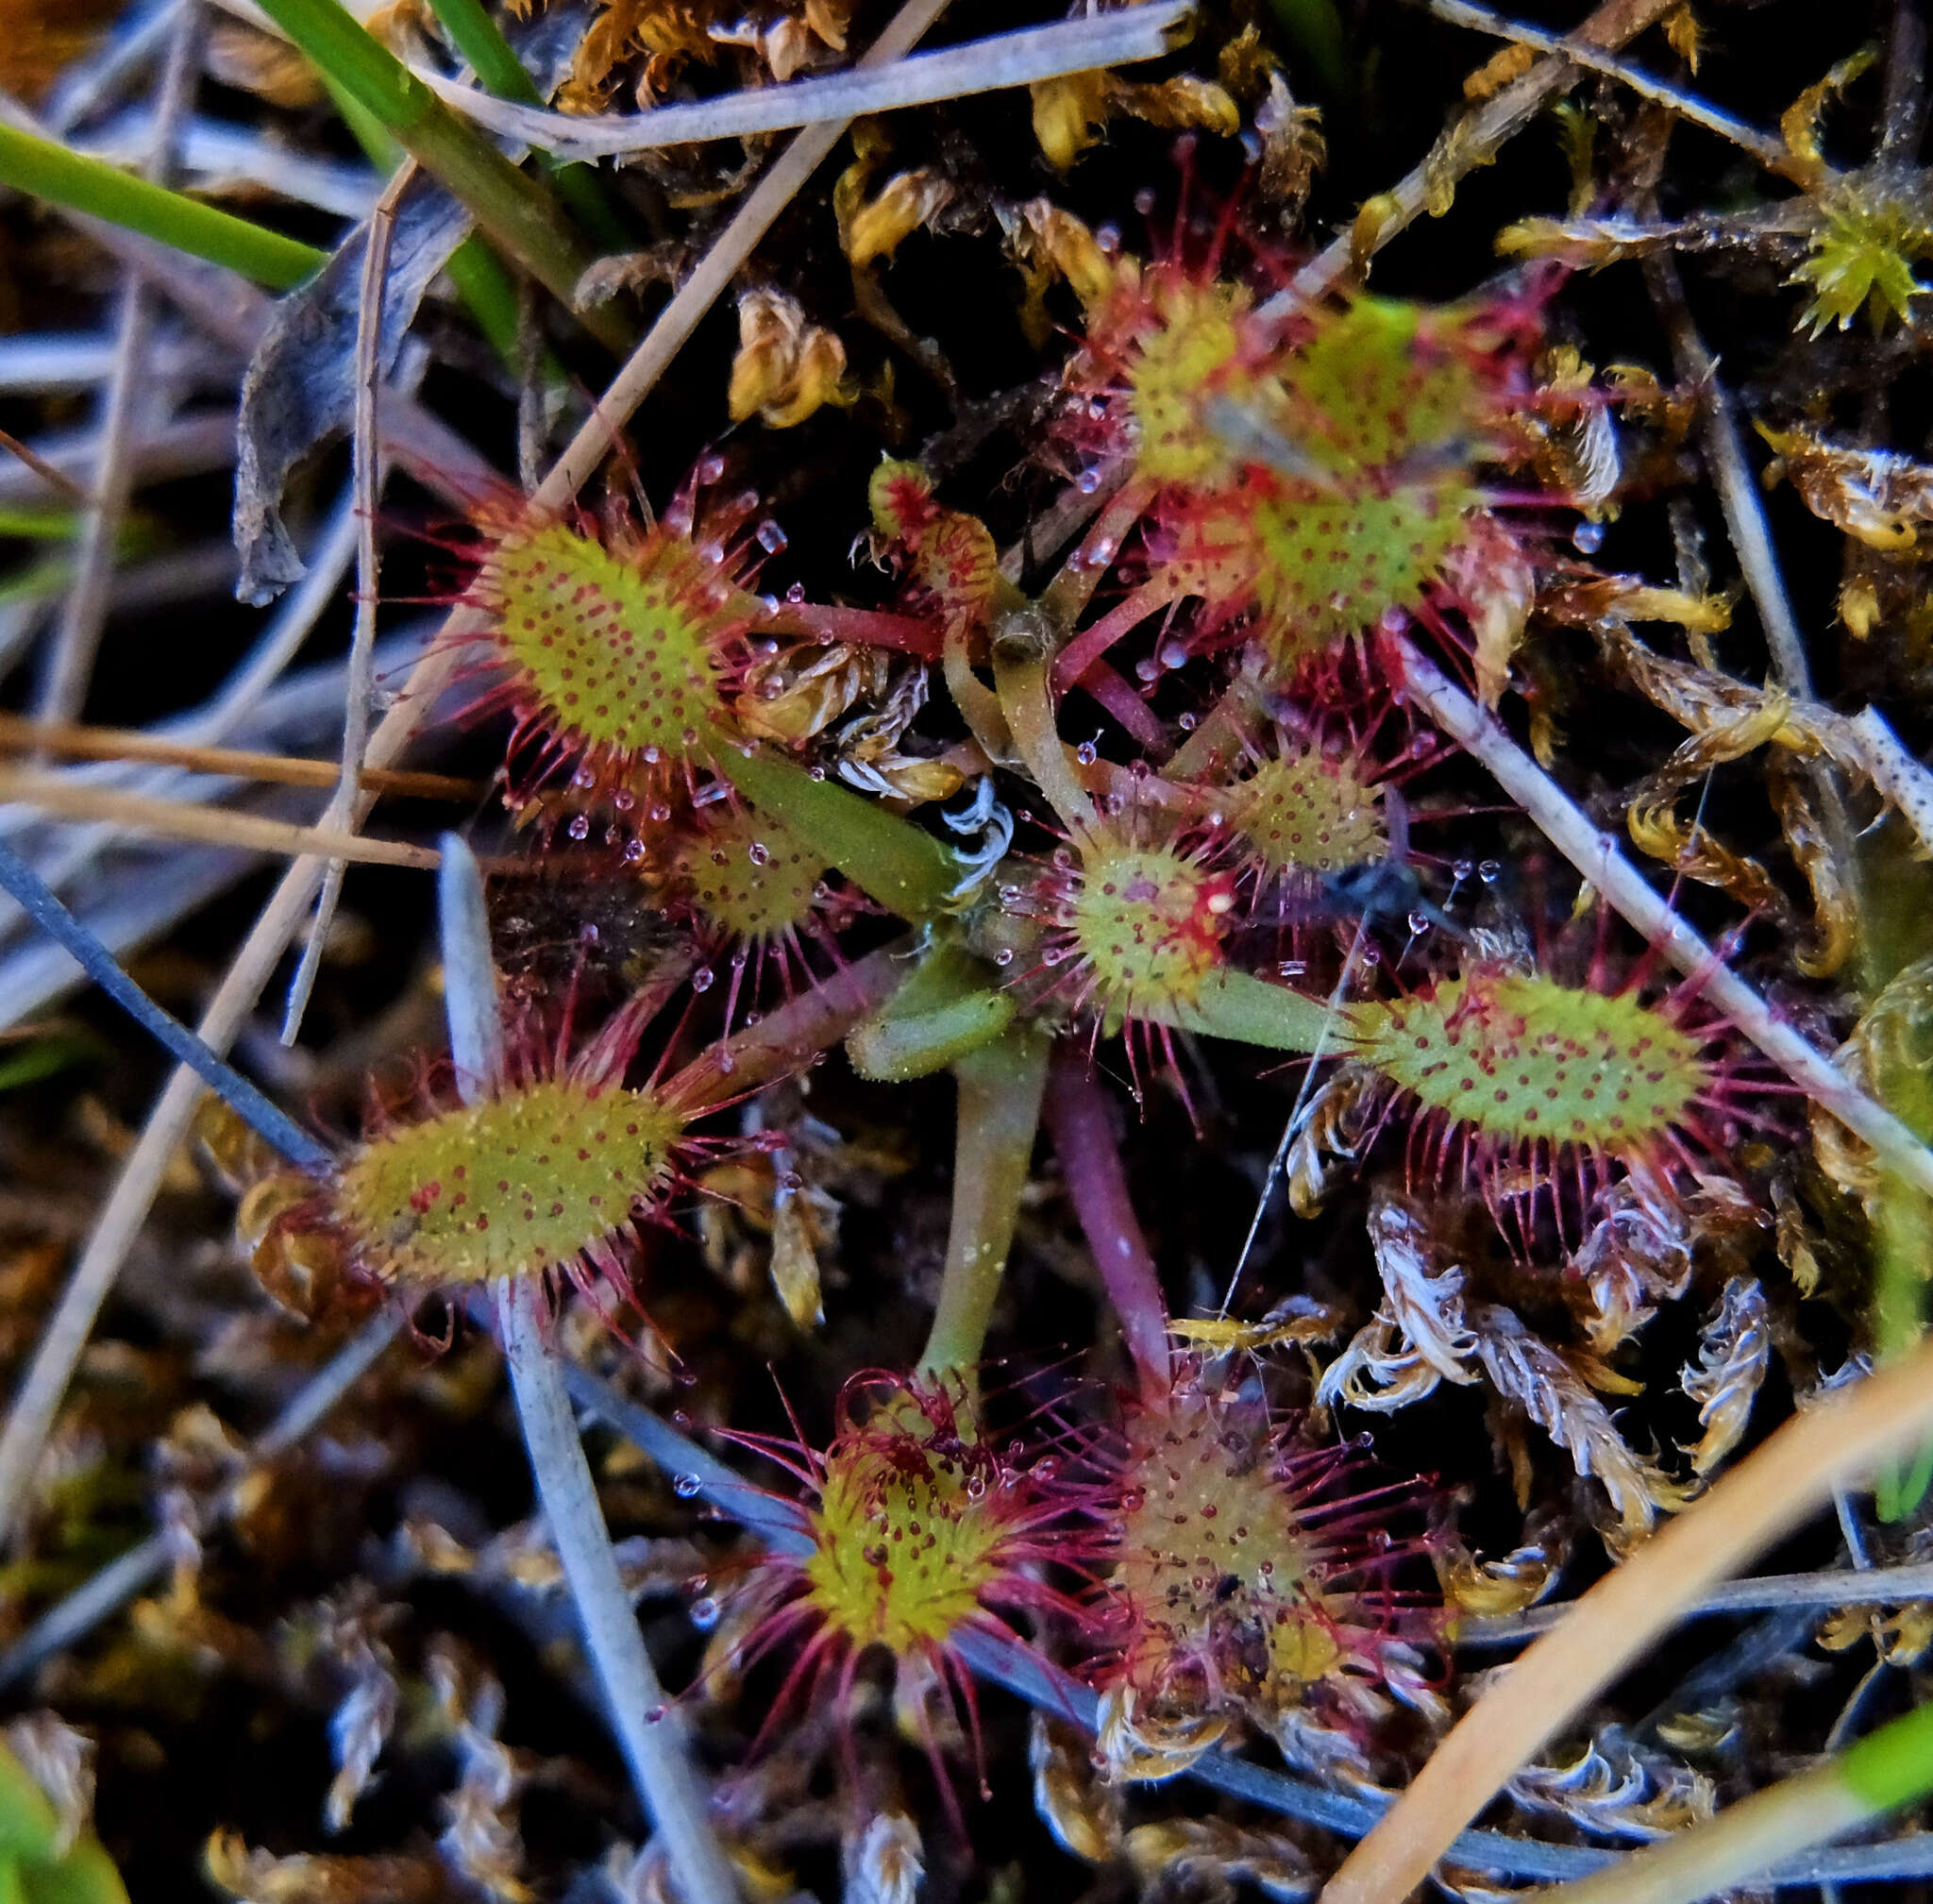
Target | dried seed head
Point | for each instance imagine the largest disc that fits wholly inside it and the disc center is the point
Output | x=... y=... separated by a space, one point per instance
x=529 y=1180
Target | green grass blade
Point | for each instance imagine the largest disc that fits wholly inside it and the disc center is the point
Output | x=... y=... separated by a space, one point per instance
x=91 y=185
x=475 y=35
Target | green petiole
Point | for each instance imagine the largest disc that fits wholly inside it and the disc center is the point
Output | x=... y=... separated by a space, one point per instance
x=1000 y=1088
x=892 y=862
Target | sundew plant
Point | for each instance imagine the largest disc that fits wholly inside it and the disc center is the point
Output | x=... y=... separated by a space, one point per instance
x=1099 y=937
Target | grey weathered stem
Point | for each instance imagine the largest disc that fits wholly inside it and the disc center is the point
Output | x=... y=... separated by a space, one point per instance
x=648 y=1731
x=1595 y=855
x=1006 y=59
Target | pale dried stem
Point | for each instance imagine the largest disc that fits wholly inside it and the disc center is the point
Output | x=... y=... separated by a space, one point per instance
x=651 y=1733
x=1473 y=141
x=1004 y=61
x=59 y=1352
x=84 y=614
x=1738 y=491
x=39 y=1400
x=1837 y=1587
x=1751 y=535
x=56 y=479
x=77 y=642
x=1595 y=855
x=1768 y=151
x=702 y=289
x=181 y=820
x=1765 y=1496
x=73 y=741
x=365 y=481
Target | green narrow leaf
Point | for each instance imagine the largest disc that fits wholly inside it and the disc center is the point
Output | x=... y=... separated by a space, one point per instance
x=1894 y=1767
x=28 y=1828
x=85 y=1876
x=91 y=185
x=519 y=215
x=889 y=859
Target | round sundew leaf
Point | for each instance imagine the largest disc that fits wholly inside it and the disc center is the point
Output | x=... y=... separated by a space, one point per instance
x=1327 y=565
x=1381 y=380
x=620 y=652
x=1191 y=339
x=1146 y=923
x=903 y=1546
x=523 y=1182
x=1303 y=814
x=1212 y=1557
x=750 y=877
x=1521 y=1057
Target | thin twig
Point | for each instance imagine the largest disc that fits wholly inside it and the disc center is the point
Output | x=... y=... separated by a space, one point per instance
x=1769 y=152
x=365 y=484
x=1738 y=490
x=1766 y=1495
x=754 y=217
x=73 y=741
x=179 y=819
x=651 y=1736
x=55 y=479
x=122 y=1577
x=1002 y=60
x=1833 y=1587
x=30 y=893
x=1595 y=855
